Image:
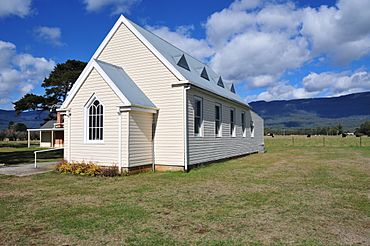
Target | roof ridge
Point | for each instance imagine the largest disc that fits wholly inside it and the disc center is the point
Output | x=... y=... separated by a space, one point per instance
x=184 y=52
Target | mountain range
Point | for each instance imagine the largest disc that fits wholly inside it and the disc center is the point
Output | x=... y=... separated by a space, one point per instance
x=349 y=111
x=32 y=119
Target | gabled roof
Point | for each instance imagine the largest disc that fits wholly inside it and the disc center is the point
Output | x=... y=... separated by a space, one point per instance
x=48 y=124
x=170 y=55
x=126 y=85
x=170 y=52
x=122 y=85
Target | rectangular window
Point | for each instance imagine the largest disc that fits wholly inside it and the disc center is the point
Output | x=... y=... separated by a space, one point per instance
x=218 y=121
x=232 y=122
x=198 y=116
x=252 y=129
x=243 y=125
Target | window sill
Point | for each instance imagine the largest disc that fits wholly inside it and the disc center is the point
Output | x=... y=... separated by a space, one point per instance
x=94 y=142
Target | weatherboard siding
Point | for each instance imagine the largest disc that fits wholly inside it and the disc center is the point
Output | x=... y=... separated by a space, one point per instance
x=125 y=50
x=140 y=139
x=103 y=153
x=209 y=147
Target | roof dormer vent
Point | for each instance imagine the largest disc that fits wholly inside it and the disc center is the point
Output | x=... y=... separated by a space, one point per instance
x=204 y=74
x=183 y=63
x=220 y=82
x=232 y=88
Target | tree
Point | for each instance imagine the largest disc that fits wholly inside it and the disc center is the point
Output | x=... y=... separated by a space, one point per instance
x=57 y=85
x=29 y=102
x=18 y=127
x=364 y=128
x=61 y=80
x=339 y=129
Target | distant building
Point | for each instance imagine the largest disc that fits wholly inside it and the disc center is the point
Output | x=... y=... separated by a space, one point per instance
x=51 y=133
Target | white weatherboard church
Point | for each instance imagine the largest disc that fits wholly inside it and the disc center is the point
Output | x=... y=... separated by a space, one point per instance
x=142 y=103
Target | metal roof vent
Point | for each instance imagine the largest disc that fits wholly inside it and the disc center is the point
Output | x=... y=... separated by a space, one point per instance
x=204 y=74
x=183 y=63
x=220 y=82
x=232 y=88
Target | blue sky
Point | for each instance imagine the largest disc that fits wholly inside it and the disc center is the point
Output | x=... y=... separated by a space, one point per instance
x=269 y=49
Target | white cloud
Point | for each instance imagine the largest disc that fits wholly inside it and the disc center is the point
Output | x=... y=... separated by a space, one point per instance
x=20 y=73
x=256 y=42
x=19 y=8
x=254 y=54
x=181 y=37
x=322 y=84
x=116 y=6
x=282 y=91
x=50 y=35
x=262 y=81
x=342 y=32
x=337 y=83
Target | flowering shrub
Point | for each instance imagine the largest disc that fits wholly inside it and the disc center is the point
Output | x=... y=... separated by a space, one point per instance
x=88 y=169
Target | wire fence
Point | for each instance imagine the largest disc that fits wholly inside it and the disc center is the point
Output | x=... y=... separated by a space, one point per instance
x=319 y=141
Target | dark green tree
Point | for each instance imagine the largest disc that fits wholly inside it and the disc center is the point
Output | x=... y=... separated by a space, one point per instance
x=18 y=127
x=29 y=102
x=364 y=128
x=339 y=129
x=61 y=80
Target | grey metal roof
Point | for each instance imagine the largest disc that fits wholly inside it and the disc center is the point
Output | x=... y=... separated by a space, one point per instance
x=126 y=85
x=173 y=55
x=48 y=124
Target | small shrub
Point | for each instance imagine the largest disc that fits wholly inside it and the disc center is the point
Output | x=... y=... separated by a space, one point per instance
x=110 y=171
x=87 y=169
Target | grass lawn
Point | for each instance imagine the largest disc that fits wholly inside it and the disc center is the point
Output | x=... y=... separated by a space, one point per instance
x=290 y=195
x=17 y=153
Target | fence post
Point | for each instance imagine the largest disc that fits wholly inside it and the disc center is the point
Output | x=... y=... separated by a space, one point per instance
x=323 y=141
x=35 y=159
x=360 y=141
x=293 y=141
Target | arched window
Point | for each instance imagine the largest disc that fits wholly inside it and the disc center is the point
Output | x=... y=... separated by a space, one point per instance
x=95 y=114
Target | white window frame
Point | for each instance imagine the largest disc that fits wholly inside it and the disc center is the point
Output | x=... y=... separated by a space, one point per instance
x=252 y=127
x=86 y=120
x=200 y=133
x=243 y=124
x=232 y=123
x=219 y=135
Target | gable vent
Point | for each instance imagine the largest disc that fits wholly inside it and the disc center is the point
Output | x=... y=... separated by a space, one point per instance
x=220 y=82
x=204 y=74
x=183 y=63
x=232 y=88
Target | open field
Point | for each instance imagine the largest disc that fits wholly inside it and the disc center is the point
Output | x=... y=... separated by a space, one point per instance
x=18 y=153
x=290 y=195
x=318 y=141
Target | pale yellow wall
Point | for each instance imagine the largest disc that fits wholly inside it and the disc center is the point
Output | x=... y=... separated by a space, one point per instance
x=155 y=80
x=140 y=139
x=104 y=153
